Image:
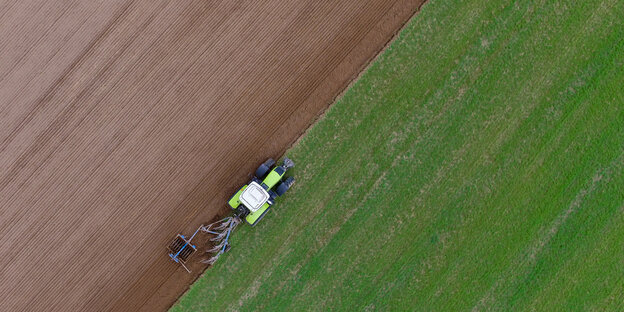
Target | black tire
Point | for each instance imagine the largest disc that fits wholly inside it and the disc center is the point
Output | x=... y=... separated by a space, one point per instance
x=270 y=162
x=283 y=187
x=264 y=168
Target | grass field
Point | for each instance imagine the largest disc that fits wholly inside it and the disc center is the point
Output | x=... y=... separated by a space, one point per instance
x=477 y=165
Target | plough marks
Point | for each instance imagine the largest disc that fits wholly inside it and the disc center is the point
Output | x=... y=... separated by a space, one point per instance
x=124 y=122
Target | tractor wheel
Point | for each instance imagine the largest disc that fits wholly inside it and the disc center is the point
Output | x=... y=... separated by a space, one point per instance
x=264 y=168
x=284 y=186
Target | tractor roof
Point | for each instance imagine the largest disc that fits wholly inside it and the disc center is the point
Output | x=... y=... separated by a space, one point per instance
x=254 y=196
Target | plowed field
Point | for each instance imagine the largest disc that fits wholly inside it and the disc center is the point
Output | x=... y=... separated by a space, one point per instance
x=124 y=122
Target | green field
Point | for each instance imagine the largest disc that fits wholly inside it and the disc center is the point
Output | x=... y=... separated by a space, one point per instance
x=476 y=165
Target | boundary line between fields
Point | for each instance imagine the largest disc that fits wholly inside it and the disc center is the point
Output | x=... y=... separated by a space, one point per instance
x=355 y=78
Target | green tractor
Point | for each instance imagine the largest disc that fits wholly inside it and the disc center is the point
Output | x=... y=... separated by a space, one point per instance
x=250 y=203
x=254 y=199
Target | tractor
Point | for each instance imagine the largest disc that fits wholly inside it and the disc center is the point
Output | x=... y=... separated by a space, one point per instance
x=254 y=199
x=250 y=203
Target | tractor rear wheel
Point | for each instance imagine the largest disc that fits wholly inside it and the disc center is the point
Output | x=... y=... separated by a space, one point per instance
x=264 y=168
x=283 y=187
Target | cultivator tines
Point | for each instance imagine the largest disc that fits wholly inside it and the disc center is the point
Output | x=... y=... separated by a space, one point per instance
x=211 y=260
x=216 y=248
x=223 y=224
x=221 y=231
x=219 y=237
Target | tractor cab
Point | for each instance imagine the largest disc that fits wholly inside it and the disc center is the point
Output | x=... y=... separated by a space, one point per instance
x=254 y=197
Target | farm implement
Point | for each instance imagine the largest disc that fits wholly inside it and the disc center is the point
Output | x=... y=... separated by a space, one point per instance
x=249 y=204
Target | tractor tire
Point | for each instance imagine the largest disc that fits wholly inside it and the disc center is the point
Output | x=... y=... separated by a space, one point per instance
x=264 y=168
x=283 y=187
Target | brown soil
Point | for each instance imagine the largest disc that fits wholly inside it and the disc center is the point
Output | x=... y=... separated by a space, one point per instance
x=125 y=122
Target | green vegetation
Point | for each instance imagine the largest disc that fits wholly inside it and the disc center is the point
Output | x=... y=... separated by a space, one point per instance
x=477 y=165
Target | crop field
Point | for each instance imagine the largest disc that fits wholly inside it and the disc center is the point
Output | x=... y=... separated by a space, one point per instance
x=476 y=165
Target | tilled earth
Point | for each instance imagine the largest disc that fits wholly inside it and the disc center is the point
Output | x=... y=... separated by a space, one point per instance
x=124 y=122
